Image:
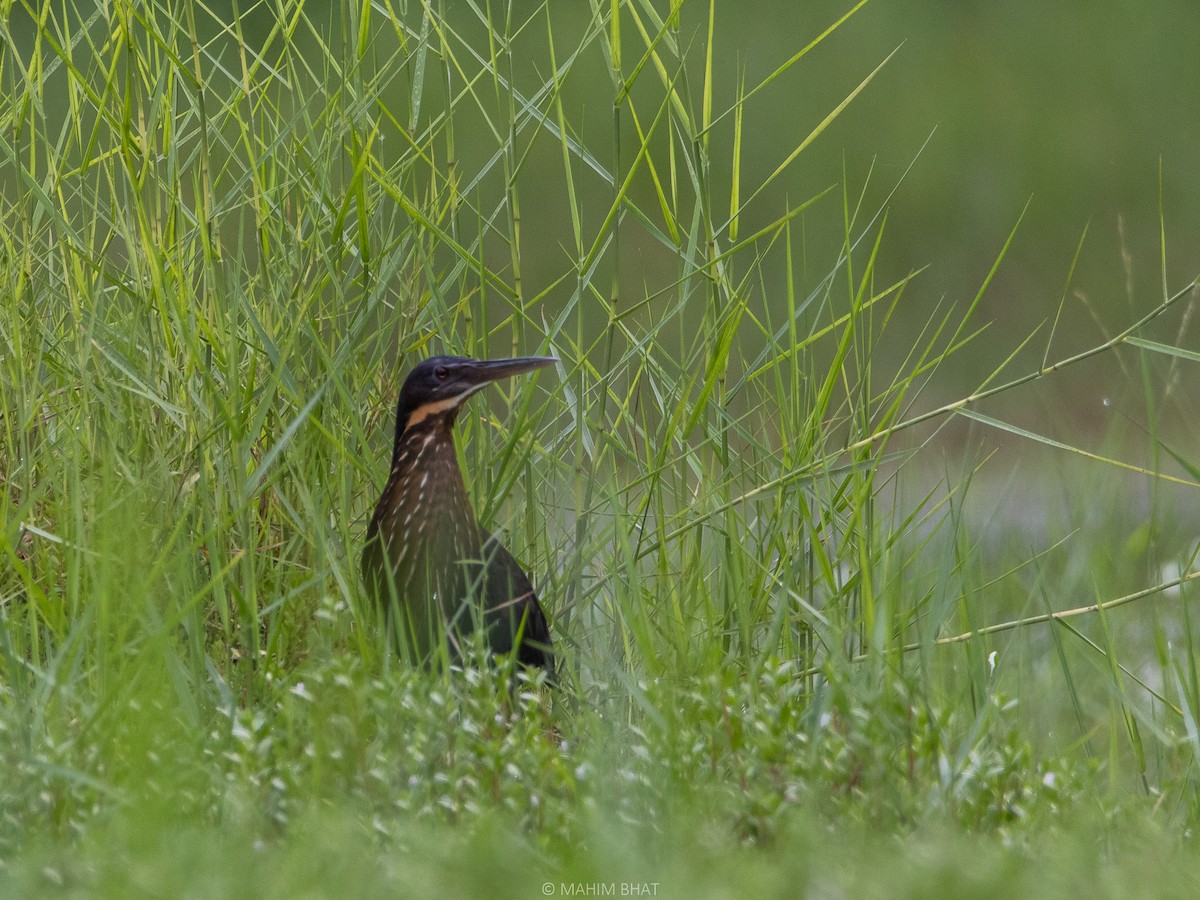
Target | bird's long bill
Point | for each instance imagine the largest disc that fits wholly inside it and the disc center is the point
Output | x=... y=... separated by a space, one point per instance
x=485 y=371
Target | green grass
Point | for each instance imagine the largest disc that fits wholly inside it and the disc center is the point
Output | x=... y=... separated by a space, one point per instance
x=795 y=652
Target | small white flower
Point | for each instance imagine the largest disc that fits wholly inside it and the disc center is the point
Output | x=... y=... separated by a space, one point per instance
x=301 y=691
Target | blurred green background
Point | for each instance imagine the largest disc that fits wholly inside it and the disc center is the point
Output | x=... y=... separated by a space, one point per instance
x=1071 y=107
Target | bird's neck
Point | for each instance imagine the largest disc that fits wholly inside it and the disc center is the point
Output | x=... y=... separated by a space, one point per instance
x=425 y=470
x=420 y=435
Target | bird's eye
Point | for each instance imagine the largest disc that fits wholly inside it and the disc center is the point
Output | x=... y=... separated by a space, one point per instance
x=441 y=373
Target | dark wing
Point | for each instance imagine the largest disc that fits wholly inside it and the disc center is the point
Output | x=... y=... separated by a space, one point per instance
x=512 y=608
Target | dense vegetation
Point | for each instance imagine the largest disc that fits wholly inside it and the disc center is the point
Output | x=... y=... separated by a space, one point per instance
x=799 y=649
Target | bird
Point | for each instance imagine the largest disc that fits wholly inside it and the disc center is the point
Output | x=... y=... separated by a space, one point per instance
x=438 y=575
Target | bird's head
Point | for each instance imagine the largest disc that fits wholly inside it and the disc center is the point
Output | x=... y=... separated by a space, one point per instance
x=440 y=385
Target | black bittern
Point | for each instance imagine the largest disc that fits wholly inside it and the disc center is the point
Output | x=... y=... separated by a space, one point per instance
x=438 y=576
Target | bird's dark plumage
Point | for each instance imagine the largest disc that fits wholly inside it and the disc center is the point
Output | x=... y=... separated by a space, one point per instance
x=436 y=573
